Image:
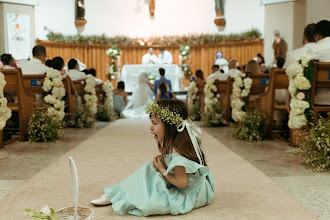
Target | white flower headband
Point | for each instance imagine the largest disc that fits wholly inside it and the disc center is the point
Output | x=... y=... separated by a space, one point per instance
x=174 y=118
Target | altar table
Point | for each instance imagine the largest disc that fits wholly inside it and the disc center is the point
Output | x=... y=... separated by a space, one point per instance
x=130 y=75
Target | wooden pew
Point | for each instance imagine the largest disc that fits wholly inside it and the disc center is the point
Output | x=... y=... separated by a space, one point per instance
x=100 y=94
x=321 y=79
x=80 y=88
x=225 y=88
x=278 y=80
x=25 y=101
x=259 y=84
x=33 y=84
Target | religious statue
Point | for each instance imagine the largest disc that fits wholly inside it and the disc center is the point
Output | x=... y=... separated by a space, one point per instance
x=220 y=20
x=80 y=21
x=81 y=10
x=279 y=46
x=152 y=4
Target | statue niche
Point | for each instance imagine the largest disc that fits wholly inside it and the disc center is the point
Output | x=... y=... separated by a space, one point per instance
x=80 y=21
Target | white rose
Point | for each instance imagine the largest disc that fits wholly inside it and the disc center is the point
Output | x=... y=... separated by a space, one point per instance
x=245 y=92
x=46 y=210
x=297 y=121
x=292 y=88
x=305 y=58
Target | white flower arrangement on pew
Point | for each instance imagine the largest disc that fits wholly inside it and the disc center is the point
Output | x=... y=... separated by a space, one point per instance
x=241 y=89
x=193 y=107
x=250 y=124
x=90 y=94
x=300 y=75
x=5 y=112
x=106 y=112
x=47 y=125
x=85 y=116
x=213 y=114
x=54 y=86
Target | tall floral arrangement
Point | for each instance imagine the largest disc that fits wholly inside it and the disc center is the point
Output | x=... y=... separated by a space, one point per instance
x=241 y=89
x=184 y=56
x=5 y=112
x=300 y=75
x=113 y=52
x=106 y=112
x=54 y=86
x=90 y=94
x=213 y=115
x=193 y=107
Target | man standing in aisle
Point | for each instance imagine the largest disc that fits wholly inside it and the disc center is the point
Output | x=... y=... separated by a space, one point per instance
x=164 y=57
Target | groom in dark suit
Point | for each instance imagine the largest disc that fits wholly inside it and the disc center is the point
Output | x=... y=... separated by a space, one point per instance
x=162 y=80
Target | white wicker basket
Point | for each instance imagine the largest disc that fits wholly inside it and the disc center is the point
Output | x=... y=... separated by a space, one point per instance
x=75 y=213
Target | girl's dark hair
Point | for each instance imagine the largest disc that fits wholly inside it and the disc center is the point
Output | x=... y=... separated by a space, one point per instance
x=180 y=141
x=121 y=85
x=49 y=63
x=6 y=58
x=72 y=64
x=199 y=74
x=57 y=63
x=162 y=87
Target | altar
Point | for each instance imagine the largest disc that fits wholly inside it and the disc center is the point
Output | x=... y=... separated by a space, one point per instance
x=130 y=75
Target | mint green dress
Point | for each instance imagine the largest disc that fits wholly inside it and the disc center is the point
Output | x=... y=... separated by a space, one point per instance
x=147 y=192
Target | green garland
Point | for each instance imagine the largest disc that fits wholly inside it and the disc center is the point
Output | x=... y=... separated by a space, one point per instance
x=192 y=39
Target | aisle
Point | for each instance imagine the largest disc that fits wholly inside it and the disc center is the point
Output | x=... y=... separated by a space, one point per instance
x=113 y=153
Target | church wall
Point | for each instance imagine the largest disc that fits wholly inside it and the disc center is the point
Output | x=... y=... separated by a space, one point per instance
x=131 y=17
x=317 y=10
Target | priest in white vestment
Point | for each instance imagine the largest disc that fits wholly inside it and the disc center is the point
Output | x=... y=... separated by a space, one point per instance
x=164 y=57
x=149 y=58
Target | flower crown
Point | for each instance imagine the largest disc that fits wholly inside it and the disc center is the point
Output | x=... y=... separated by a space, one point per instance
x=168 y=116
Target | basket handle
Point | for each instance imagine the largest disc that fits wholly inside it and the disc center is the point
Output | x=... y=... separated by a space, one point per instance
x=75 y=185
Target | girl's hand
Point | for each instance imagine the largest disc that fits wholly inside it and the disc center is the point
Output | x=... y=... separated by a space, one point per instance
x=159 y=164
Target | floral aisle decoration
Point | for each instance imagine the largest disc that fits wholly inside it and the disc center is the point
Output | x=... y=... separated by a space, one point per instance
x=54 y=86
x=193 y=107
x=300 y=75
x=113 y=52
x=47 y=125
x=252 y=126
x=251 y=123
x=106 y=112
x=44 y=213
x=5 y=112
x=213 y=115
x=43 y=127
x=184 y=56
x=315 y=146
x=241 y=89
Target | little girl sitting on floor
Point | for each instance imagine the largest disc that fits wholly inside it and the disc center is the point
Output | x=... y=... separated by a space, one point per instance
x=176 y=181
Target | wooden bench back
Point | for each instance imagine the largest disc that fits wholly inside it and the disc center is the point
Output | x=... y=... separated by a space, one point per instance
x=259 y=83
x=80 y=88
x=33 y=83
x=25 y=101
x=321 y=79
x=99 y=94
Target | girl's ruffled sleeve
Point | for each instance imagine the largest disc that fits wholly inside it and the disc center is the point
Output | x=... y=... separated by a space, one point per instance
x=190 y=166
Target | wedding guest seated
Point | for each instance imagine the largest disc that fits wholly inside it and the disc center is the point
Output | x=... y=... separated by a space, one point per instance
x=217 y=74
x=97 y=80
x=261 y=62
x=73 y=72
x=36 y=65
x=222 y=63
x=8 y=61
x=161 y=80
x=280 y=62
x=149 y=58
x=232 y=69
x=321 y=52
x=199 y=80
x=56 y=63
x=164 y=57
x=252 y=67
x=164 y=93
x=119 y=97
x=308 y=42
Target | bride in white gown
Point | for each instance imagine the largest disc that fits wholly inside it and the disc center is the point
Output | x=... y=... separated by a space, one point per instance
x=142 y=95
